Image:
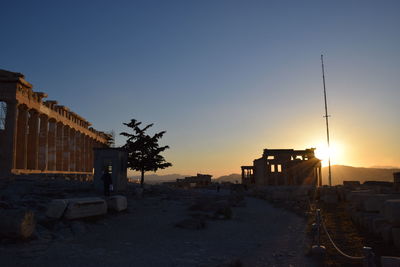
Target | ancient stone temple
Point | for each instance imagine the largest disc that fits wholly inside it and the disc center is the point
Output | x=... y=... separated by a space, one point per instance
x=38 y=136
x=284 y=167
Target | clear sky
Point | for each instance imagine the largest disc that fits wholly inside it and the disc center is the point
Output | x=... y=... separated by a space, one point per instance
x=226 y=79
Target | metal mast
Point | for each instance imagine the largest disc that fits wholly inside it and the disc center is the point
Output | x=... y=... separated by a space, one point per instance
x=327 y=122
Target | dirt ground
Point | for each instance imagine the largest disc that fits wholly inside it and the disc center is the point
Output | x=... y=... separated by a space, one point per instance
x=145 y=235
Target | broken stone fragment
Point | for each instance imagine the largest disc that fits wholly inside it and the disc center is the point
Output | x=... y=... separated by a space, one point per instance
x=396 y=237
x=56 y=208
x=85 y=207
x=117 y=203
x=392 y=211
x=390 y=261
x=17 y=224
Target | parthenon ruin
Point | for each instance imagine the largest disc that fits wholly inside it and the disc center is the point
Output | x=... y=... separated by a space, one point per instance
x=42 y=137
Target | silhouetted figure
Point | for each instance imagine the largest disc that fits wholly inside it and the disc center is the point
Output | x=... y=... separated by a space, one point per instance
x=107 y=181
x=218 y=188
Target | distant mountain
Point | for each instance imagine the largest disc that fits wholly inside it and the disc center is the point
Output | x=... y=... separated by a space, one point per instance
x=233 y=178
x=155 y=178
x=383 y=167
x=342 y=173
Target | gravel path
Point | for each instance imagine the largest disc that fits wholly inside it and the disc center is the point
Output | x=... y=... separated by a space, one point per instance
x=258 y=235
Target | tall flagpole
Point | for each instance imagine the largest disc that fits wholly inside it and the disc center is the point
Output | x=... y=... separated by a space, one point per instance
x=327 y=122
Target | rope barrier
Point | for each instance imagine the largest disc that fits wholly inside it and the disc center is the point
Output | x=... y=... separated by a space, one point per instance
x=338 y=249
x=368 y=258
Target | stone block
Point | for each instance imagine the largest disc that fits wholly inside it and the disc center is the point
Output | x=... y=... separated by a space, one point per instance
x=327 y=190
x=392 y=211
x=353 y=195
x=17 y=224
x=56 y=208
x=330 y=199
x=351 y=184
x=390 y=261
x=368 y=220
x=396 y=237
x=385 y=231
x=300 y=192
x=357 y=201
x=342 y=191
x=376 y=224
x=375 y=203
x=117 y=203
x=356 y=217
x=85 y=207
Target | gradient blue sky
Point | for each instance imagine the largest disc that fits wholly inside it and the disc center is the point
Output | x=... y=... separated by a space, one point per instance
x=224 y=78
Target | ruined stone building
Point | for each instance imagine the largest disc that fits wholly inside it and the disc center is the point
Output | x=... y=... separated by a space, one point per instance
x=38 y=136
x=195 y=181
x=284 y=167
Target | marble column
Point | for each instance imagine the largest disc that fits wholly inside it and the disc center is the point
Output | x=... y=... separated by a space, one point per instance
x=66 y=148
x=84 y=153
x=90 y=160
x=21 y=157
x=78 y=155
x=33 y=140
x=72 y=133
x=87 y=153
x=43 y=137
x=319 y=176
x=59 y=146
x=51 y=160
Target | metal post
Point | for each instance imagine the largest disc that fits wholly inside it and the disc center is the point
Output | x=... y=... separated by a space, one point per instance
x=369 y=255
x=326 y=120
x=318 y=227
x=318 y=249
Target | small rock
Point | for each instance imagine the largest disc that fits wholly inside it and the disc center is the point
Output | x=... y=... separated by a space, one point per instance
x=191 y=223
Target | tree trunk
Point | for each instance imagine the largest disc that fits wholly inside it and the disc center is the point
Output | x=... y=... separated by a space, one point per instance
x=142 y=179
x=18 y=224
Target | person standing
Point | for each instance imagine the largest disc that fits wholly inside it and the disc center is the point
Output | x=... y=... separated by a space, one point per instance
x=107 y=181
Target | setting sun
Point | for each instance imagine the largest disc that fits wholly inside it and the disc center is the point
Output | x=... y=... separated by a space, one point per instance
x=335 y=151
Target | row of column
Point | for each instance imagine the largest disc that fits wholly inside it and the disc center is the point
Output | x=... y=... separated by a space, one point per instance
x=47 y=145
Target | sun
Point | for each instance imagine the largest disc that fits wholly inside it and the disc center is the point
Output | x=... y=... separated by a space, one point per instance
x=335 y=151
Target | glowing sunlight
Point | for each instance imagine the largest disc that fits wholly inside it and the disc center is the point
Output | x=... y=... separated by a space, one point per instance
x=323 y=152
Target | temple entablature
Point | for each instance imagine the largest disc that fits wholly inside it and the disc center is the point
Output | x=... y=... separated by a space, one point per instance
x=42 y=135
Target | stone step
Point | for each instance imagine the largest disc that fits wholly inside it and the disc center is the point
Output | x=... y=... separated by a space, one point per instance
x=390 y=261
x=375 y=203
x=85 y=207
x=396 y=237
x=117 y=203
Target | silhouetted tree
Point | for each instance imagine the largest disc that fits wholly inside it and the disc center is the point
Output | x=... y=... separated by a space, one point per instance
x=143 y=149
x=110 y=137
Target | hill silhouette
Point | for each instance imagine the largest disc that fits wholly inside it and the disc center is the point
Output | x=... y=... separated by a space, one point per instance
x=155 y=178
x=230 y=178
x=340 y=173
